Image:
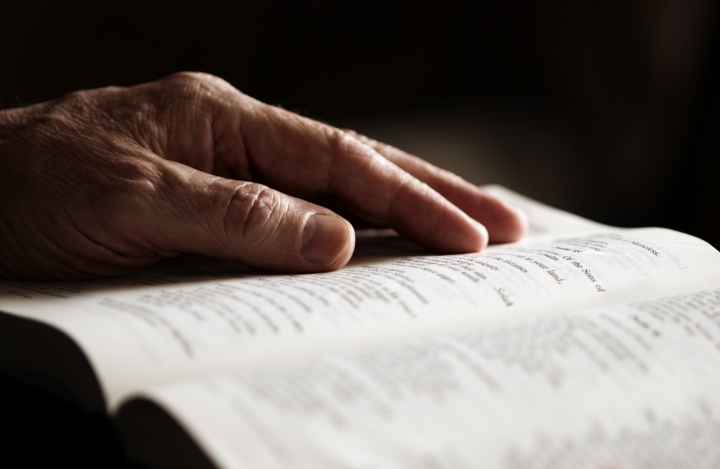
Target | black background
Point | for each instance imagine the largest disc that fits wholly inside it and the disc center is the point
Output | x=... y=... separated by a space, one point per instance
x=607 y=110
x=617 y=103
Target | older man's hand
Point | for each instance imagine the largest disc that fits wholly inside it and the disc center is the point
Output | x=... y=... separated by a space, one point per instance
x=111 y=180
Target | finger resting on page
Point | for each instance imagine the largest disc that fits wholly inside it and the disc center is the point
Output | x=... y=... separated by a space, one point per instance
x=504 y=222
x=384 y=194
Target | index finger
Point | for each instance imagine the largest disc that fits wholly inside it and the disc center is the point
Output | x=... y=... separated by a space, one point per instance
x=503 y=222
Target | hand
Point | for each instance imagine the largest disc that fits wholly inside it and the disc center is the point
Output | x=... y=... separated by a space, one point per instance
x=111 y=180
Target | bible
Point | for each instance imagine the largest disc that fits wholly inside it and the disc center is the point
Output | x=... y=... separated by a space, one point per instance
x=581 y=346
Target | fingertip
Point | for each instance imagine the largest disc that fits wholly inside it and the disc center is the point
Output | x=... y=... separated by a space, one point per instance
x=461 y=234
x=327 y=241
x=482 y=237
x=510 y=226
x=522 y=223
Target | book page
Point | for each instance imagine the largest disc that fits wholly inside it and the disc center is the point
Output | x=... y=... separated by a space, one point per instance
x=184 y=320
x=630 y=386
x=544 y=219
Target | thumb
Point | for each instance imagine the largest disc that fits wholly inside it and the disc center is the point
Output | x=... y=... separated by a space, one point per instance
x=250 y=223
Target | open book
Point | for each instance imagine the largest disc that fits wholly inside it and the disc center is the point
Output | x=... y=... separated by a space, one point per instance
x=582 y=346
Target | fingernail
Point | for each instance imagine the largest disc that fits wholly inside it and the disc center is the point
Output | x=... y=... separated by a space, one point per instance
x=325 y=238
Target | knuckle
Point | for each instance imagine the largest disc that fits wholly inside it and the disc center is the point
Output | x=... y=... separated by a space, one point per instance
x=139 y=170
x=75 y=99
x=185 y=93
x=191 y=77
x=83 y=112
x=341 y=144
x=360 y=137
x=256 y=209
x=83 y=104
x=184 y=80
x=130 y=189
x=339 y=140
x=68 y=108
x=345 y=144
x=193 y=84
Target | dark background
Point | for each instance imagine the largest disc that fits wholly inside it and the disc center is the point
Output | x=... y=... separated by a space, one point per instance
x=607 y=109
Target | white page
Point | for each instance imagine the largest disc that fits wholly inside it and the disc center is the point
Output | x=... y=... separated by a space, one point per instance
x=544 y=219
x=626 y=386
x=143 y=334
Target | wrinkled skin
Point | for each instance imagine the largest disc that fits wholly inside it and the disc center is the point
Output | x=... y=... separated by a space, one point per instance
x=111 y=180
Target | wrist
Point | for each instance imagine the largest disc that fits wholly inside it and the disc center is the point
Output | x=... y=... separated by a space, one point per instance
x=15 y=120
